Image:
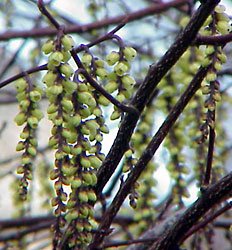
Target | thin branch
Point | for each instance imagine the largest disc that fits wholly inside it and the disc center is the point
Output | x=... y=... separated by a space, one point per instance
x=48 y=31
x=212 y=196
x=44 y=11
x=22 y=74
x=209 y=157
x=213 y=40
x=207 y=220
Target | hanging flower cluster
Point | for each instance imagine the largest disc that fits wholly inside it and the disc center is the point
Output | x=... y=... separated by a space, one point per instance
x=28 y=95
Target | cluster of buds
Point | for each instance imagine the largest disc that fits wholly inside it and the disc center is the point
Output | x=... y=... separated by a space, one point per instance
x=77 y=133
x=141 y=198
x=118 y=81
x=28 y=95
x=218 y=23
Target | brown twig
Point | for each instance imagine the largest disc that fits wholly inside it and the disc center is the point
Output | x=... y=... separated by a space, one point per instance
x=48 y=31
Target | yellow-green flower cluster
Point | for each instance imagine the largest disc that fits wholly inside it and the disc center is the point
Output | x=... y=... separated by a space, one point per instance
x=28 y=95
x=143 y=190
x=118 y=82
x=78 y=127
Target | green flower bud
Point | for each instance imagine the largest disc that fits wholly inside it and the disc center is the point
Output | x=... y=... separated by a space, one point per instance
x=220 y=8
x=111 y=86
x=84 y=97
x=66 y=149
x=222 y=57
x=97 y=112
x=66 y=55
x=91 y=195
x=79 y=227
x=32 y=151
x=69 y=86
x=33 y=121
x=112 y=58
x=67 y=42
x=24 y=104
x=83 y=196
x=55 y=90
x=68 y=170
x=71 y=204
x=20 y=170
x=33 y=142
x=67 y=70
x=87 y=177
x=121 y=68
x=128 y=153
x=25 y=134
x=21 y=96
x=115 y=115
x=55 y=58
x=59 y=155
x=20 y=146
x=37 y=113
x=120 y=97
x=75 y=120
x=223 y=17
x=94 y=179
x=205 y=90
x=218 y=66
x=52 y=108
x=20 y=118
x=102 y=73
x=84 y=211
x=35 y=96
x=25 y=159
x=206 y=62
x=95 y=161
x=99 y=137
x=72 y=138
x=76 y=150
x=104 y=129
x=223 y=27
x=92 y=125
x=127 y=81
x=86 y=59
x=49 y=78
x=76 y=182
x=48 y=47
x=67 y=105
x=85 y=162
x=211 y=76
x=129 y=53
x=112 y=76
x=54 y=174
x=99 y=63
x=88 y=226
x=20 y=84
x=217 y=97
x=85 y=144
x=58 y=121
x=103 y=101
x=74 y=214
x=209 y=50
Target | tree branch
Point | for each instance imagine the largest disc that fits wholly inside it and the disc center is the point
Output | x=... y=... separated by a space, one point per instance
x=48 y=31
x=212 y=196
